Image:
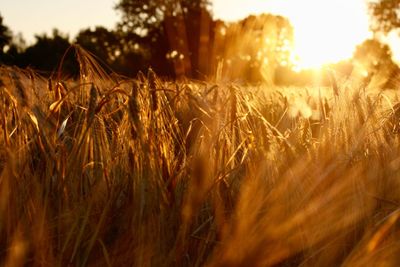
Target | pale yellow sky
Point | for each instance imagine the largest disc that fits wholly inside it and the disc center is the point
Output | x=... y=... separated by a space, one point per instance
x=31 y=17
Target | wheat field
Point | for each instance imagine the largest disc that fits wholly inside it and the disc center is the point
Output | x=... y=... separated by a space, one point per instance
x=104 y=170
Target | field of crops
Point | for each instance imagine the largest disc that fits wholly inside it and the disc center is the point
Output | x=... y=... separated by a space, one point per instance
x=108 y=171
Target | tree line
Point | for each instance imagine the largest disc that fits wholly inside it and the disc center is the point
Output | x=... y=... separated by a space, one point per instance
x=181 y=38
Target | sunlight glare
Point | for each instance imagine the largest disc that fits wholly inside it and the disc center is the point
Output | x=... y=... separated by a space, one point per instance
x=326 y=31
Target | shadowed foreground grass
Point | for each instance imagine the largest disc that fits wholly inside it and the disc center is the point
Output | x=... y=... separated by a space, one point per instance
x=108 y=171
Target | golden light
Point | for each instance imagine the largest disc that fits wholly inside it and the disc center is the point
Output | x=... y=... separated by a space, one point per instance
x=326 y=31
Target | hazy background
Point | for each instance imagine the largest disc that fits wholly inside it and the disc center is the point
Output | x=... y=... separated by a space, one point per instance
x=297 y=35
x=342 y=22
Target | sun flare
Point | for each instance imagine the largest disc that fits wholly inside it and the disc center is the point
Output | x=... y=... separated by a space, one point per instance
x=326 y=31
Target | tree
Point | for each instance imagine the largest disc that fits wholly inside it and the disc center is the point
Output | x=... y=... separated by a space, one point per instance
x=386 y=15
x=255 y=47
x=124 y=55
x=373 y=61
x=141 y=16
x=164 y=27
x=47 y=53
x=189 y=35
x=101 y=42
x=5 y=38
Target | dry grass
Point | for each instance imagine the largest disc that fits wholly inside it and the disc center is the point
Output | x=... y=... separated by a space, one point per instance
x=108 y=171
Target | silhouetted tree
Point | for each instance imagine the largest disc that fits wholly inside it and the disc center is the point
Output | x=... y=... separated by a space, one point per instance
x=125 y=53
x=373 y=59
x=101 y=42
x=47 y=53
x=141 y=16
x=190 y=35
x=140 y=28
x=386 y=15
x=254 y=47
x=164 y=26
x=5 y=39
x=155 y=46
x=373 y=52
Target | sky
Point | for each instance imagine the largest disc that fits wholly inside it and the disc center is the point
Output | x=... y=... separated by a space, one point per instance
x=31 y=17
x=325 y=30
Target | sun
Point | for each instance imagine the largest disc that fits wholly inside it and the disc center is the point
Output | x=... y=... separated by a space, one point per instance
x=327 y=31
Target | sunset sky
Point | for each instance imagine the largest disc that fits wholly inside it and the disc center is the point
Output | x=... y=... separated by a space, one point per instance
x=325 y=30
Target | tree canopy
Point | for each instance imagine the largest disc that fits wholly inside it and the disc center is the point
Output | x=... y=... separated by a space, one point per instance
x=160 y=29
x=47 y=53
x=254 y=47
x=141 y=16
x=5 y=37
x=385 y=14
